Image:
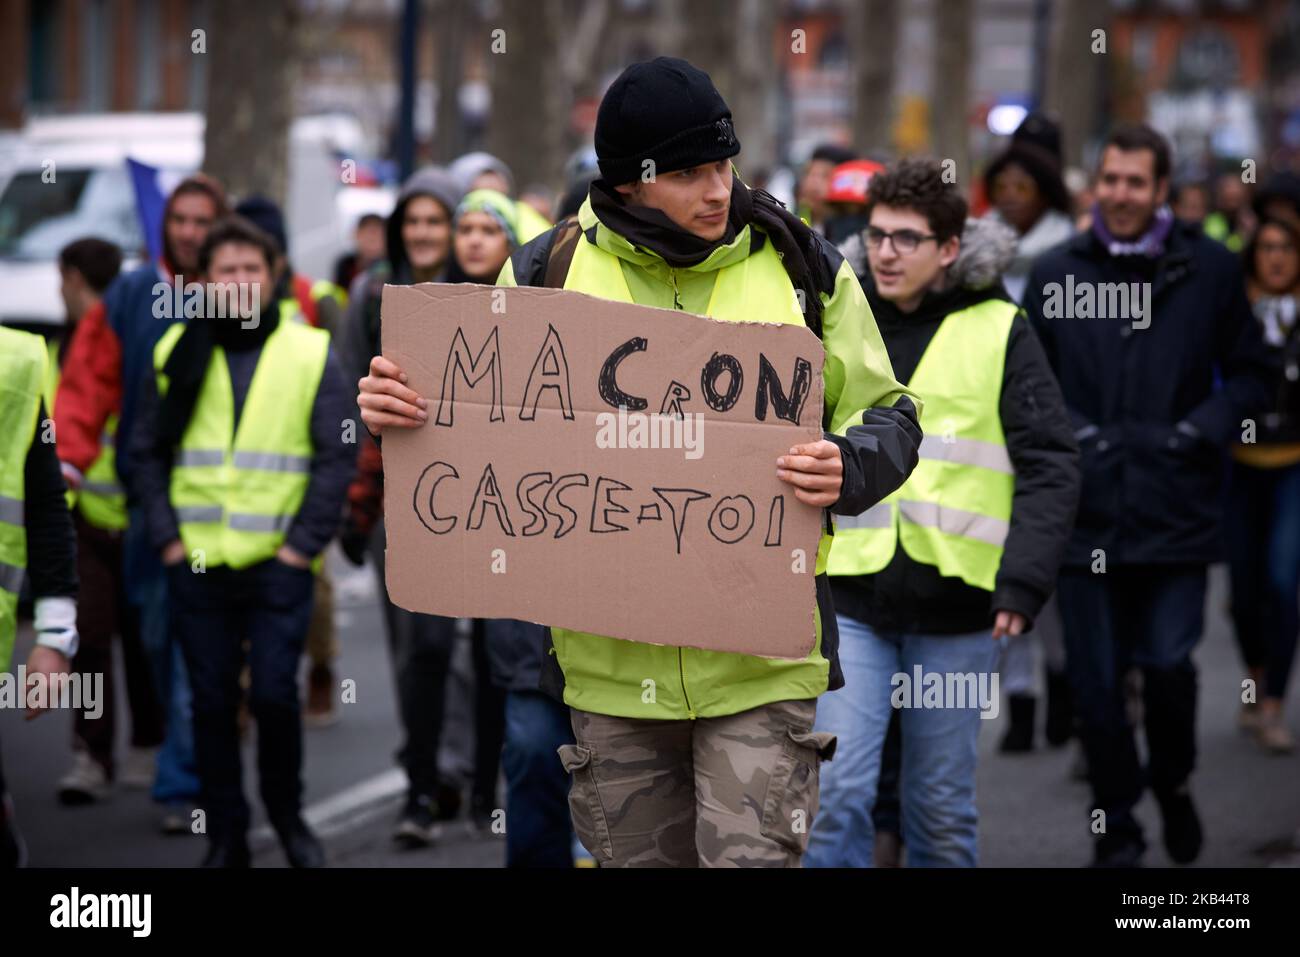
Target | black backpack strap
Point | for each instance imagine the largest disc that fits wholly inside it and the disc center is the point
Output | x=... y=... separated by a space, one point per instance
x=533 y=261
x=563 y=246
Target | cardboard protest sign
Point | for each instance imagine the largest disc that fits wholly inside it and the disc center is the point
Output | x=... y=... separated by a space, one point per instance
x=602 y=466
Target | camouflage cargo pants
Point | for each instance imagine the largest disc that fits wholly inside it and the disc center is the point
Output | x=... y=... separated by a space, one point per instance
x=735 y=791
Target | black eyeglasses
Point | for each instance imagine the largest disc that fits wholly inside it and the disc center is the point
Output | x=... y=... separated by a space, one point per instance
x=904 y=240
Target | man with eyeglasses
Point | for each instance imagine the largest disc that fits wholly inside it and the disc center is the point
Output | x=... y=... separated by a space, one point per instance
x=931 y=580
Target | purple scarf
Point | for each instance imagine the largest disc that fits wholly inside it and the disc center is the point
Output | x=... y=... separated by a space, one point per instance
x=1150 y=244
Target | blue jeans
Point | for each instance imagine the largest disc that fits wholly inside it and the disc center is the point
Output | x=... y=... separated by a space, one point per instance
x=539 y=830
x=177 y=779
x=937 y=792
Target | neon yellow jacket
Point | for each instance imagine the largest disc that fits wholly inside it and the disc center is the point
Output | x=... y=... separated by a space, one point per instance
x=608 y=675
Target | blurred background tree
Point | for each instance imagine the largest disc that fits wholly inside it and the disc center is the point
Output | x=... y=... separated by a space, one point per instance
x=250 y=106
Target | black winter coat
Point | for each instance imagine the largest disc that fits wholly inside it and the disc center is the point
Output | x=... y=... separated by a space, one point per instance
x=1153 y=408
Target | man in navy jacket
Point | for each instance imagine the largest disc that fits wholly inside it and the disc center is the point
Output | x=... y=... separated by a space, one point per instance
x=1147 y=327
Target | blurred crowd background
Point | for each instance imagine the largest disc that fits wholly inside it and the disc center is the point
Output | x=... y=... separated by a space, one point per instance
x=322 y=109
x=311 y=98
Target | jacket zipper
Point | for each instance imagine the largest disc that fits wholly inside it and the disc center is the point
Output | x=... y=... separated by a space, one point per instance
x=681 y=655
x=681 y=671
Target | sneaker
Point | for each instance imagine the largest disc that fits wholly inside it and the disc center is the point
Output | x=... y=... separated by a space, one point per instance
x=1117 y=853
x=1273 y=735
x=138 y=769
x=301 y=847
x=227 y=854
x=1182 y=832
x=320 y=711
x=175 y=819
x=418 y=826
x=86 y=781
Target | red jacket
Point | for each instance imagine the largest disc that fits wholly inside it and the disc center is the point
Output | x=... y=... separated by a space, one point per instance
x=302 y=292
x=90 y=389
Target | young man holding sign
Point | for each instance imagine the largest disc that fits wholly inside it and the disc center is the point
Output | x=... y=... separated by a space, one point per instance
x=715 y=765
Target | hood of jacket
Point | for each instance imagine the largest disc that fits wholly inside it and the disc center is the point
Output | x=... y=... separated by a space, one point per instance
x=195 y=182
x=431 y=181
x=470 y=166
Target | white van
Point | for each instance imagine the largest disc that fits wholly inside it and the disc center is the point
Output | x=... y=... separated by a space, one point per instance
x=65 y=178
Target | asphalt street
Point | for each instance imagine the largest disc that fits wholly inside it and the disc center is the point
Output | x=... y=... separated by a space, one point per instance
x=1032 y=812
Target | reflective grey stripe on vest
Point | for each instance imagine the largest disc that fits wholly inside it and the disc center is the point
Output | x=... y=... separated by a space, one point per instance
x=272 y=462
x=878 y=516
x=199 y=513
x=956 y=521
x=11 y=510
x=11 y=578
x=102 y=488
x=200 y=456
x=248 y=522
x=986 y=455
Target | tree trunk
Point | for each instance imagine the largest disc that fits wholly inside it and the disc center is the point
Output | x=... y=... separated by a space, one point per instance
x=529 y=96
x=752 y=97
x=587 y=25
x=950 y=84
x=1075 y=74
x=450 y=22
x=250 y=84
x=708 y=41
x=873 y=40
x=732 y=42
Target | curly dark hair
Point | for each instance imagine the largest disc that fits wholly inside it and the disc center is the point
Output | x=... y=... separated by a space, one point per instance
x=918 y=184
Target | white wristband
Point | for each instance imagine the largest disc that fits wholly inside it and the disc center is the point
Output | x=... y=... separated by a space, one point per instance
x=56 y=624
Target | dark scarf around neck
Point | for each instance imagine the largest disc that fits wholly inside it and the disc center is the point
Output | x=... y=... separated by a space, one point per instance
x=188 y=362
x=795 y=242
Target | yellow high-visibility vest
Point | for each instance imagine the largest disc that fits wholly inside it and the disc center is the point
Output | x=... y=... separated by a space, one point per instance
x=101 y=498
x=954 y=511
x=22 y=377
x=236 y=491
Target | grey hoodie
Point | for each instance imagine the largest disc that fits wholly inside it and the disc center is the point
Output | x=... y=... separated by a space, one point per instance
x=360 y=339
